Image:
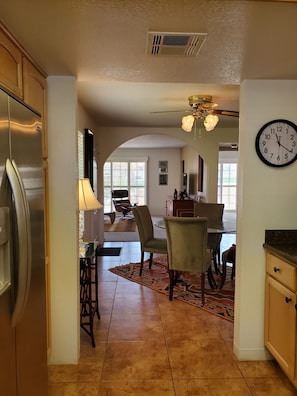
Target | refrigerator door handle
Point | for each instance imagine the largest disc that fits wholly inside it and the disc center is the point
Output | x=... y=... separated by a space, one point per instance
x=24 y=252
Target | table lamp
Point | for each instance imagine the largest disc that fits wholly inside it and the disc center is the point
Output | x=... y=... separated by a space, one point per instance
x=86 y=201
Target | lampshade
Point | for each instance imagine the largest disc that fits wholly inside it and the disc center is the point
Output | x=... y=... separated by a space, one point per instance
x=187 y=123
x=87 y=199
x=210 y=122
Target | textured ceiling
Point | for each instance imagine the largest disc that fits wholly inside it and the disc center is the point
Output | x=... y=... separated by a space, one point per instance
x=103 y=43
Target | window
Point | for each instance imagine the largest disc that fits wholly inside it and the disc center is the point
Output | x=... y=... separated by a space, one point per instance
x=227 y=179
x=125 y=175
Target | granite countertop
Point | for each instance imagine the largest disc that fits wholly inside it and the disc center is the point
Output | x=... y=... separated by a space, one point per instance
x=283 y=243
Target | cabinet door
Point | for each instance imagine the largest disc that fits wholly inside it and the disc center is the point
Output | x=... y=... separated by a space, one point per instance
x=280 y=324
x=10 y=66
x=183 y=208
x=35 y=96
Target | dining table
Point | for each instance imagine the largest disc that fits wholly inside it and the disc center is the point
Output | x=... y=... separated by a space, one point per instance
x=216 y=270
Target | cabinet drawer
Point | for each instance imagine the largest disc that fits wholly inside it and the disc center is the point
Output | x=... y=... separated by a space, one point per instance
x=282 y=271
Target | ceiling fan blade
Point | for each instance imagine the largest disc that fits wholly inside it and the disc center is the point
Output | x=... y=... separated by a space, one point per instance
x=229 y=113
x=208 y=105
x=171 y=111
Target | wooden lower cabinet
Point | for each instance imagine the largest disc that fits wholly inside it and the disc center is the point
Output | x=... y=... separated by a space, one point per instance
x=280 y=313
x=180 y=207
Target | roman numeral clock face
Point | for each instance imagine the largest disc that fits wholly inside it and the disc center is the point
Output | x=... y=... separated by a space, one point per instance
x=276 y=143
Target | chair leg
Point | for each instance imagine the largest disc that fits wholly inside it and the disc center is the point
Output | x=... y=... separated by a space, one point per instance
x=214 y=260
x=202 y=276
x=224 y=270
x=211 y=280
x=233 y=270
x=141 y=263
x=151 y=260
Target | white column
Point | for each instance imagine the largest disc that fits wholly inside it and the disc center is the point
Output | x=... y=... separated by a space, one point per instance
x=64 y=261
x=266 y=200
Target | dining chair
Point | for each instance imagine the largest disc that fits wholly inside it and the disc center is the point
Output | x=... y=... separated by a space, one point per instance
x=148 y=242
x=214 y=213
x=187 y=249
x=228 y=256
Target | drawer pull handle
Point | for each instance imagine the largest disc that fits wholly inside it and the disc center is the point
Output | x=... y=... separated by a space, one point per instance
x=275 y=269
x=288 y=300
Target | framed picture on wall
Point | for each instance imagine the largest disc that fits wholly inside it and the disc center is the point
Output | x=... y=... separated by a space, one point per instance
x=163 y=166
x=163 y=179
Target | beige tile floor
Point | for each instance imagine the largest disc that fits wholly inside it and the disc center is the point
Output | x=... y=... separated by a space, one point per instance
x=147 y=345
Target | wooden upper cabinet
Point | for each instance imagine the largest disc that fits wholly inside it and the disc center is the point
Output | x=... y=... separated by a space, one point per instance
x=34 y=87
x=10 y=65
x=35 y=95
x=21 y=76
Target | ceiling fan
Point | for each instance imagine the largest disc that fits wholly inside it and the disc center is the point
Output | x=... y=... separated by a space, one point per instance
x=202 y=107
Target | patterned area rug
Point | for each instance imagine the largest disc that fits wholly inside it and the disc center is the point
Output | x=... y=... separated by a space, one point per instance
x=120 y=225
x=218 y=302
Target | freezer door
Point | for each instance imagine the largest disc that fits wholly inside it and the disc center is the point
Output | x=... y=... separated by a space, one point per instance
x=5 y=259
x=12 y=181
x=8 y=376
x=4 y=135
x=31 y=336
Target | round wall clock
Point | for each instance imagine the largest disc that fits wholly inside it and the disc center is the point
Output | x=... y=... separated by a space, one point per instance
x=276 y=143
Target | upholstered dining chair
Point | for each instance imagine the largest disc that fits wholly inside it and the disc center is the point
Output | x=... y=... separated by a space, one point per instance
x=187 y=249
x=228 y=256
x=214 y=213
x=148 y=242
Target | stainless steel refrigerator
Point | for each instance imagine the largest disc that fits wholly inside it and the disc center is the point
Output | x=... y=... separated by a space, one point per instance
x=23 y=330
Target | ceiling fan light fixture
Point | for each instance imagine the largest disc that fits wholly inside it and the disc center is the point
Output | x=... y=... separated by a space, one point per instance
x=210 y=122
x=187 y=123
x=186 y=129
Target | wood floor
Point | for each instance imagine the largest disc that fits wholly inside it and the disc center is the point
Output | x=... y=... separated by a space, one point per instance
x=147 y=345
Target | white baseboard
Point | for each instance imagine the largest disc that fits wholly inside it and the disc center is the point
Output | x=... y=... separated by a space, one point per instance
x=243 y=354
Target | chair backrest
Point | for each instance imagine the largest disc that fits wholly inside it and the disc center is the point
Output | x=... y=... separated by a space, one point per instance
x=120 y=197
x=213 y=211
x=144 y=223
x=187 y=243
x=119 y=194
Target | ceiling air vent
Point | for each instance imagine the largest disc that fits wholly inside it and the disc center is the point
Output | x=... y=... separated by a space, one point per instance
x=184 y=44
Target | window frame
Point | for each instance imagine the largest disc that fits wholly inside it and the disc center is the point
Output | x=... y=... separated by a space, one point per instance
x=112 y=185
x=227 y=158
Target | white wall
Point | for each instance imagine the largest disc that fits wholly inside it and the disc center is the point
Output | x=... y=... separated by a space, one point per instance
x=266 y=200
x=64 y=263
x=156 y=195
